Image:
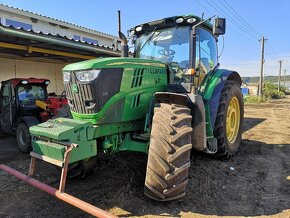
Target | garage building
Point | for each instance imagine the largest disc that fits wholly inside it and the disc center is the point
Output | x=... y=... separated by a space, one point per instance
x=32 y=45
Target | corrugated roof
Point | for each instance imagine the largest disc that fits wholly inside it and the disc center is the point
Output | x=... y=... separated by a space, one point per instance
x=57 y=36
x=57 y=20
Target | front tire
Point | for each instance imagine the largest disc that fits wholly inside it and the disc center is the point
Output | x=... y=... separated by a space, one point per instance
x=23 y=138
x=169 y=152
x=228 y=125
x=82 y=168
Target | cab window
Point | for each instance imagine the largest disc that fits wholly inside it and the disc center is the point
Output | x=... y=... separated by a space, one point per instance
x=206 y=51
x=5 y=94
x=27 y=94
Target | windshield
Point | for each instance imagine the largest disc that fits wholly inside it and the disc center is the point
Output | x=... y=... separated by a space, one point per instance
x=27 y=94
x=167 y=45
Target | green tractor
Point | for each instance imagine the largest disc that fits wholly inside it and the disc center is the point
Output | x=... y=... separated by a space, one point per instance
x=168 y=100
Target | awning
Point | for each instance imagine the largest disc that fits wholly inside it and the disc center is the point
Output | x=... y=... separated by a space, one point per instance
x=38 y=45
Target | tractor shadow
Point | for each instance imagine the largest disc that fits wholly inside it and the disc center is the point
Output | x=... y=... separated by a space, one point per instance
x=251 y=122
x=8 y=149
x=251 y=183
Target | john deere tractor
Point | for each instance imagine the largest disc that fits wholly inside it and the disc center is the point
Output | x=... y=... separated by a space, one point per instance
x=168 y=100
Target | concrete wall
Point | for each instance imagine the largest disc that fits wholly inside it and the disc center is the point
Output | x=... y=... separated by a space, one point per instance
x=13 y=68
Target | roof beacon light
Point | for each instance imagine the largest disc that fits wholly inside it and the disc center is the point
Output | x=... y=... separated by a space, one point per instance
x=191 y=20
x=179 y=20
x=24 y=82
x=138 y=28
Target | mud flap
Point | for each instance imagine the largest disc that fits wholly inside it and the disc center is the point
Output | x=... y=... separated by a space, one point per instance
x=198 y=138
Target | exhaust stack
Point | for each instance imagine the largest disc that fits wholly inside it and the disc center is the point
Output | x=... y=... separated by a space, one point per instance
x=124 y=41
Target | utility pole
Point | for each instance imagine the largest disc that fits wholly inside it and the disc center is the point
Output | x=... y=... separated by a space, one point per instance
x=285 y=77
x=279 y=78
x=262 y=67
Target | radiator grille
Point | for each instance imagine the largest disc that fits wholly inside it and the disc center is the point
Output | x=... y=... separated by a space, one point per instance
x=91 y=97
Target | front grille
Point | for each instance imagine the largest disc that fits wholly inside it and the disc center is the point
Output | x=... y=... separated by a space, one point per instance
x=91 y=97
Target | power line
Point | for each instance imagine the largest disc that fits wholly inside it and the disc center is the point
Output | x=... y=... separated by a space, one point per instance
x=231 y=19
x=271 y=49
x=239 y=16
x=235 y=29
x=240 y=25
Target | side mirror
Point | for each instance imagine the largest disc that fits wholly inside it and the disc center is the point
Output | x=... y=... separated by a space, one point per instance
x=219 y=26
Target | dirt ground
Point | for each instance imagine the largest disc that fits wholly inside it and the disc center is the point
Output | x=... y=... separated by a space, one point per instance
x=257 y=185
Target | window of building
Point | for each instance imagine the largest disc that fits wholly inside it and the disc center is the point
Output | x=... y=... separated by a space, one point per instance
x=18 y=24
x=77 y=38
x=90 y=41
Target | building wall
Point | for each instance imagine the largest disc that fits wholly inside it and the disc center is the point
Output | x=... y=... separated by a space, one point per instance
x=13 y=68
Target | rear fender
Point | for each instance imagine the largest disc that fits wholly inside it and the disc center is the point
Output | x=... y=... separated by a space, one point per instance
x=29 y=121
x=196 y=105
x=211 y=93
x=170 y=97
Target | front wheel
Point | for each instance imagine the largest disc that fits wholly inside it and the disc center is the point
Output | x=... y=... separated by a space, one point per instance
x=169 y=152
x=23 y=138
x=228 y=125
x=82 y=168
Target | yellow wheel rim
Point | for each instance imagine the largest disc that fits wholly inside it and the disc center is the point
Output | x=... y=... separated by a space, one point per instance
x=233 y=120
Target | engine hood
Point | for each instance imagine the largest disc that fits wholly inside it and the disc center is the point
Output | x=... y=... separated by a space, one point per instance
x=113 y=63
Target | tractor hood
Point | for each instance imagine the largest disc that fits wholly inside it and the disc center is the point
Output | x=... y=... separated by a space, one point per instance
x=113 y=63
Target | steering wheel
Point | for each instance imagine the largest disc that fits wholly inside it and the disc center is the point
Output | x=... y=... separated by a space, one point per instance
x=166 y=52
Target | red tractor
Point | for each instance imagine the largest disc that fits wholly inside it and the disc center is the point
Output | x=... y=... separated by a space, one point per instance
x=24 y=103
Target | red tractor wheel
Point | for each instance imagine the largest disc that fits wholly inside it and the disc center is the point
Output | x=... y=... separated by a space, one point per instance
x=23 y=138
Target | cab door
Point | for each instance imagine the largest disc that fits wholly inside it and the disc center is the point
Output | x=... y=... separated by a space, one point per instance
x=7 y=107
x=206 y=54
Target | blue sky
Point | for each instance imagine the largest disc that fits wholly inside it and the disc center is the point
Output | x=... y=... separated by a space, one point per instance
x=241 y=48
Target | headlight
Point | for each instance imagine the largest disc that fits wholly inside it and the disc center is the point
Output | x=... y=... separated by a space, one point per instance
x=179 y=20
x=87 y=76
x=191 y=20
x=138 y=28
x=66 y=76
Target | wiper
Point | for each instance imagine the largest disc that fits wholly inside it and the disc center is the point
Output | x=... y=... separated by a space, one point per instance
x=149 y=38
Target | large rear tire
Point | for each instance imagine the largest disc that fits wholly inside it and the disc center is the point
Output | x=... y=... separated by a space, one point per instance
x=228 y=125
x=169 y=152
x=23 y=138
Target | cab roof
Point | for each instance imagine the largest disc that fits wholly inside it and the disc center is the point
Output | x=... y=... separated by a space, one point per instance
x=16 y=81
x=167 y=23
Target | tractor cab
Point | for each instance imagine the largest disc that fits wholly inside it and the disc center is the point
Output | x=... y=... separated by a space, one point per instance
x=18 y=97
x=23 y=103
x=27 y=95
x=186 y=44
